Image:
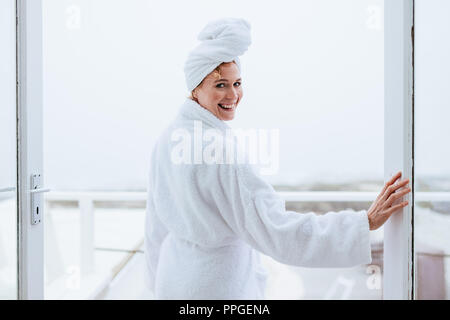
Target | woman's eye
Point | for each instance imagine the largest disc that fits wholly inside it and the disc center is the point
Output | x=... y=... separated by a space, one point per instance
x=220 y=85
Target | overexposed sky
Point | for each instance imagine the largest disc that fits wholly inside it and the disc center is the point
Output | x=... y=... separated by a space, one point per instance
x=113 y=79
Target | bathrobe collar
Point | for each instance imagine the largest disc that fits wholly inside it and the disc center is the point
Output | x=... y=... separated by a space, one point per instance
x=193 y=111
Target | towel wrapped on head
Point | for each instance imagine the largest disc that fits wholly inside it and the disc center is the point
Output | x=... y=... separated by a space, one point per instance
x=222 y=40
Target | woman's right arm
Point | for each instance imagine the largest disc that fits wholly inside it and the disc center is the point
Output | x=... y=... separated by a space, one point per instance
x=257 y=214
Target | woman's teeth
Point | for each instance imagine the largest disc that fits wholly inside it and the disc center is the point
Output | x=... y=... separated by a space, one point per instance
x=227 y=106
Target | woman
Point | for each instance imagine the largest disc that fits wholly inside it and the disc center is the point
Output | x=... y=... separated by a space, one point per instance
x=207 y=222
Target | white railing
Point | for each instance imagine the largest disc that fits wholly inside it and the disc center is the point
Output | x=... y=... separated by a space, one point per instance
x=289 y=196
x=86 y=205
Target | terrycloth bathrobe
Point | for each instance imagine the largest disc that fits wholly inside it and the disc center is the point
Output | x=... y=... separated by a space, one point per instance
x=206 y=224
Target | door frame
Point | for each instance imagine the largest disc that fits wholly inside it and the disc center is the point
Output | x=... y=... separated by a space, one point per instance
x=398 y=260
x=398 y=279
x=29 y=104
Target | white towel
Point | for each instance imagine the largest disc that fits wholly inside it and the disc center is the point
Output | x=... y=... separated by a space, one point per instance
x=222 y=40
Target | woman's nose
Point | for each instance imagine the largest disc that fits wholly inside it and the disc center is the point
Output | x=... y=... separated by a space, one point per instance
x=232 y=93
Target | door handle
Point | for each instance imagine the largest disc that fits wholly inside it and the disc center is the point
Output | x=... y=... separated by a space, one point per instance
x=36 y=190
x=41 y=190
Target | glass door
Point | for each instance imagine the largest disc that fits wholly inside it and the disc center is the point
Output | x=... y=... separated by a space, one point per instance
x=31 y=179
x=8 y=163
x=432 y=156
x=109 y=93
x=101 y=90
x=96 y=92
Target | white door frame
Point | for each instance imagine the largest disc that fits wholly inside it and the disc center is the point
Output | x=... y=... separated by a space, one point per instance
x=398 y=145
x=398 y=278
x=29 y=139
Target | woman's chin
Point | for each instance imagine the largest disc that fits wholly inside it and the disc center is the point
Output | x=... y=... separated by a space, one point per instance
x=227 y=115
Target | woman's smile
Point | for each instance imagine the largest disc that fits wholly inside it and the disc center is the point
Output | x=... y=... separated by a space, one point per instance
x=228 y=107
x=221 y=92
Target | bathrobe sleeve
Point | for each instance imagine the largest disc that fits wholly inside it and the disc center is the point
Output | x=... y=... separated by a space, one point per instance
x=257 y=214
x=155 y=233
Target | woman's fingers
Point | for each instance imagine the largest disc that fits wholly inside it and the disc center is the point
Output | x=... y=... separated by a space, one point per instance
x=395 y=177
x=382 y=208
x=392 y=209
x=392 y=188
x=389 y=183
x=396 y=195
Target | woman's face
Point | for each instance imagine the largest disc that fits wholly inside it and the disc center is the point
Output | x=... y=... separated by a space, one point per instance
x=221 y=96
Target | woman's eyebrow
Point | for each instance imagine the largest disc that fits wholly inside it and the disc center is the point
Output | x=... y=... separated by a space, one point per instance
x=227 y=80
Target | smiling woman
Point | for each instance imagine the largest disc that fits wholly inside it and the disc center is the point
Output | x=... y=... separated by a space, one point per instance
x=220 y=92
x=208 y=222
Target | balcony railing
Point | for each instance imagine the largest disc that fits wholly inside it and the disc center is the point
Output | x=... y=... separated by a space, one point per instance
x=86 y=206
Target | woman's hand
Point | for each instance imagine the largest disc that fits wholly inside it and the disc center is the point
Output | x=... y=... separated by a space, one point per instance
x=382 y=208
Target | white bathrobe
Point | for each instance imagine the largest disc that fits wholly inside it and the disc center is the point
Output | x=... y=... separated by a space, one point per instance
x=206 y=224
